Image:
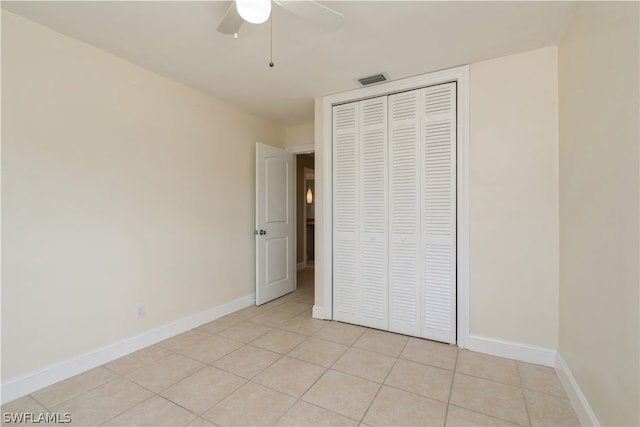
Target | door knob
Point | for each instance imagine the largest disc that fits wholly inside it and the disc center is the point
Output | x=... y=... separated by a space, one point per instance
x=262 y=232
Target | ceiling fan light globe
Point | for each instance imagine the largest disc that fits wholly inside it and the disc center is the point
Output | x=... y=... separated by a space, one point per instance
x=254 y=11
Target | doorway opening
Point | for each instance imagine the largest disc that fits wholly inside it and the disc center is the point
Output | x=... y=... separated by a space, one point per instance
x=305 y=220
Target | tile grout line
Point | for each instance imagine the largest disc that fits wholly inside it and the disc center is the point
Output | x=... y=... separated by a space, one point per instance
x=246 y=380
x=476 y=410
x=40 y=403
x=298 y=398
x=179 y=405
x=481 y=412
x=453 y=377
x=487 y=379
x=334 y=362
x=524 y=398
x=154 y=393
x=319 y=407
x=128 y=409
x=207 y=365
x=327 y=369
x=383 y=381
x=546 y=393
x=175 y=382
x=126 y=378
x=52 y=408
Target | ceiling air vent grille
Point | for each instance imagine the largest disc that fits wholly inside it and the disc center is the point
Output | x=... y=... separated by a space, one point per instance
x=376 y=78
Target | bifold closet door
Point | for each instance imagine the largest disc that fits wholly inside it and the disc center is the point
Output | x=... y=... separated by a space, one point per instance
x=373 y=213
x=346 y=295
x=394 y=212
x=405 y=276
x=422 y=171
x=360 y=213
x=438 y=200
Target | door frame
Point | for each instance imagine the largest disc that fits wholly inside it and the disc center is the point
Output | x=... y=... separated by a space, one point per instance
x=324 y=167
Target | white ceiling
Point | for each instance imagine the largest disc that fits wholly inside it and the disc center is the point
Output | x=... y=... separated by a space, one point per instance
x=178 y=39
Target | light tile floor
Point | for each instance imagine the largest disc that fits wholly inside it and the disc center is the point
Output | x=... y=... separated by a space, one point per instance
x=275 y=365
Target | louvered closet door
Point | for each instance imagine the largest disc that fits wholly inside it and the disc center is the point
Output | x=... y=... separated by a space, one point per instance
x=346 y=304
x=373 y=243
x=404 y=213
x=438 y=146
x=422 y=195
x=394 y=212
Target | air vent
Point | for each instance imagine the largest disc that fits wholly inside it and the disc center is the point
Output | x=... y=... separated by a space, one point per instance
x=376 y=78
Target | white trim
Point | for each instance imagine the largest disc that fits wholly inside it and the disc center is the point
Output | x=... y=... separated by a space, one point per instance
x=28 y=383
x=295 y=220
x=579 y=402
x=318 y=312
x=462 y=169
x=326 y=214
x=301 y=265
x=302 y=149
x=512 y=350
x=461 y=76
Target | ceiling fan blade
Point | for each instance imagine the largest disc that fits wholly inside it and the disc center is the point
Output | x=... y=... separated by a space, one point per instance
x=231 y=21
x=313 y=12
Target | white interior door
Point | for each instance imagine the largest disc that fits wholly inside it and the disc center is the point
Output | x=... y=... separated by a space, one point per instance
x=275 y=222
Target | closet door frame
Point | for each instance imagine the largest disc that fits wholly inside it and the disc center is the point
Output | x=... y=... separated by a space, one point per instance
x=324 y=175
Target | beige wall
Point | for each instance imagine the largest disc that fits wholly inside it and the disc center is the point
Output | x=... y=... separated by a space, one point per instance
x=599 y=192
x=119 y=187
x=513 y=198
x=296 y=136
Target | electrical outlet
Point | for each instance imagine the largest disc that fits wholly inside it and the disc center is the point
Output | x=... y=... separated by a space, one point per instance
x=140 y=311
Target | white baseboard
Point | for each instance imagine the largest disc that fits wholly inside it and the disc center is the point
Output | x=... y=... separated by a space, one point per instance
x=512 y=350
x=28 y=383
x=301 y=265
x=318 y=312
x=579 y=402
x=540 y=356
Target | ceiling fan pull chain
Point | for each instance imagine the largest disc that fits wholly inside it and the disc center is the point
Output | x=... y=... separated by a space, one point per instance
x=271 y=41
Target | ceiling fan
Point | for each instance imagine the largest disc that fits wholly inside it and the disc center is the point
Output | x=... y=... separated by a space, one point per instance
x=258 y=11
